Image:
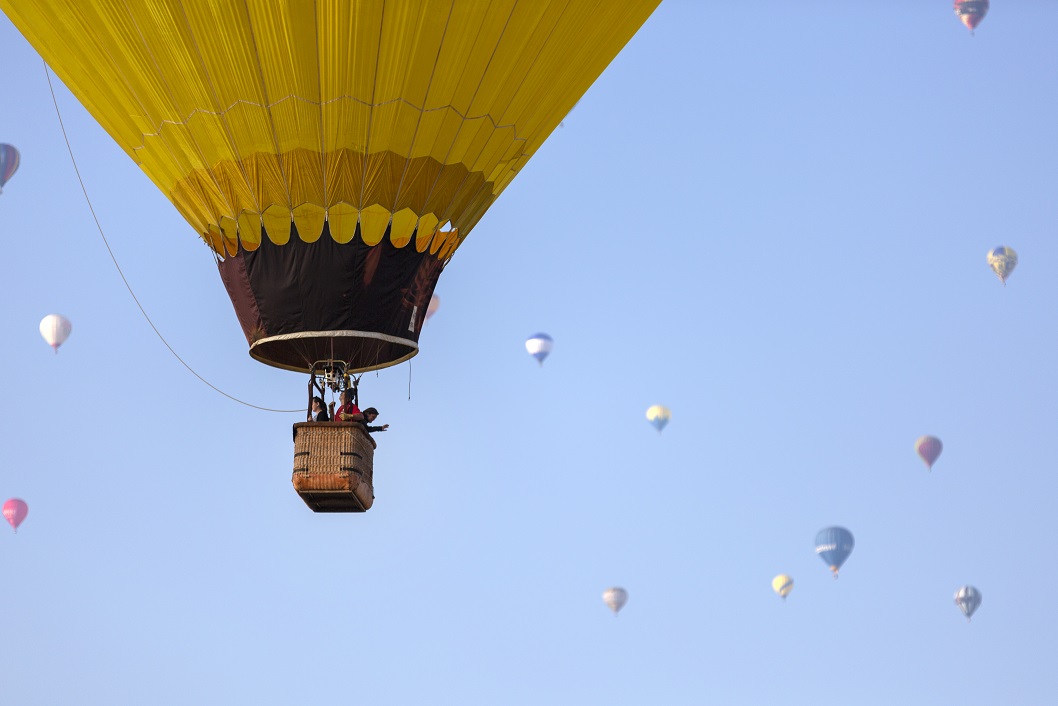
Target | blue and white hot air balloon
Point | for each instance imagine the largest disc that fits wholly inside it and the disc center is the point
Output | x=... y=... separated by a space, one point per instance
x=833 y=545
x=539 y=346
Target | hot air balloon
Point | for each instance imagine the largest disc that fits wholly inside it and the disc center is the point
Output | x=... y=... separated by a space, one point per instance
x=332 y=154
x=615 y=598
x=539 y=346
x=782 y=584
x=431 y=309
x=658 y=416
x=971 y=12
x=929 y=448
x=833 y=545
x=1002 y=260
x=55 y=329
x=9 y=159
x=968 y=599
x=15 y=512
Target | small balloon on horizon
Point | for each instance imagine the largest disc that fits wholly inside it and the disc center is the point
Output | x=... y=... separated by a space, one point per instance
x=539 y=346
x=615 y=598
x=659 y=416
x=434 y=305
x=782 y=584
x=1002 y=260
x=968 y=600
x=55 y=329
x=929 y=448
x=9 y=161
x=971 y=12
x=15 y=511
x=834 y=545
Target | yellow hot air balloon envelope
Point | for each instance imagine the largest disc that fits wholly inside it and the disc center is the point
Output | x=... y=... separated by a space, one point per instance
x=782 y=584
x=321 y=147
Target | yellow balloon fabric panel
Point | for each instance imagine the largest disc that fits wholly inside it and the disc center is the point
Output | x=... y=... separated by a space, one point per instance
x=376 y=116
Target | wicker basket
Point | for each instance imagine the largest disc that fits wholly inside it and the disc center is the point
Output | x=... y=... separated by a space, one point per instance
x=333 y=464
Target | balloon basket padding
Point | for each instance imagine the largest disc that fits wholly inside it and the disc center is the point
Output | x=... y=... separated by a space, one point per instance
x=333 y=466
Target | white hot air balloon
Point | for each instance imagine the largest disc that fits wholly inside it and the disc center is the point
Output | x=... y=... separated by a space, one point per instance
x=55 y=329
x=615 y=598
x=539 y=346
x=968 y=599
x=435 y=303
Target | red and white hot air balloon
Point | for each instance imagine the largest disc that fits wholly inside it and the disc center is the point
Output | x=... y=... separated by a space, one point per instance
x=55 y=329
x=971 y=12
x=15 y=511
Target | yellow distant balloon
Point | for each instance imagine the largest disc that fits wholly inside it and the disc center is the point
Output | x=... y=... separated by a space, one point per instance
x=659 y=416
x=782 y=584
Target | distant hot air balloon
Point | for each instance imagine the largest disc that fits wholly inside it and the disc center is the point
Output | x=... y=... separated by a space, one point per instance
x=615 y=598
x=971 y=12
x=55 y=329
x=968 y=599
x=1002 y=260
x=539 y=346
x=659 y=416
x=435 y=303
x=782 y=584
x=929 y=448
x=9 y=159
x=15 y=511
x=833 y=545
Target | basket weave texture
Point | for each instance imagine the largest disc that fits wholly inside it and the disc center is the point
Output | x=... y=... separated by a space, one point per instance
x=333 y=466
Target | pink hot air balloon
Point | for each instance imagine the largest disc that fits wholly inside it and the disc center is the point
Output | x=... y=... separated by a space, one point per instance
x=929 y=448
x=431 y=309
x=15 y=511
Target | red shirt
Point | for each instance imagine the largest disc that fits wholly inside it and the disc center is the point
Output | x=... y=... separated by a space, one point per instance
x=348 y=408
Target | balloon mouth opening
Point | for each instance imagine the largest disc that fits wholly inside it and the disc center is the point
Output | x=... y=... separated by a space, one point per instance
x=361 y=351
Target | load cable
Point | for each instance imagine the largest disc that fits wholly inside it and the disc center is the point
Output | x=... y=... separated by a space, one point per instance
x=114 y=259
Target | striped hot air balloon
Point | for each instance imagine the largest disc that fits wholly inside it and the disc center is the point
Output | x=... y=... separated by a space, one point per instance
x=782 y=584
x=9 y=160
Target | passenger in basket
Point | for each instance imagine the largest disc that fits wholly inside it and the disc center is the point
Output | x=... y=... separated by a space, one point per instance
x=319 y=412
x=348 y=412
x=370 y=415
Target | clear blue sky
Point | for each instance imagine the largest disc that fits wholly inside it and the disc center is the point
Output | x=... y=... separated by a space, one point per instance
x=771 y=217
